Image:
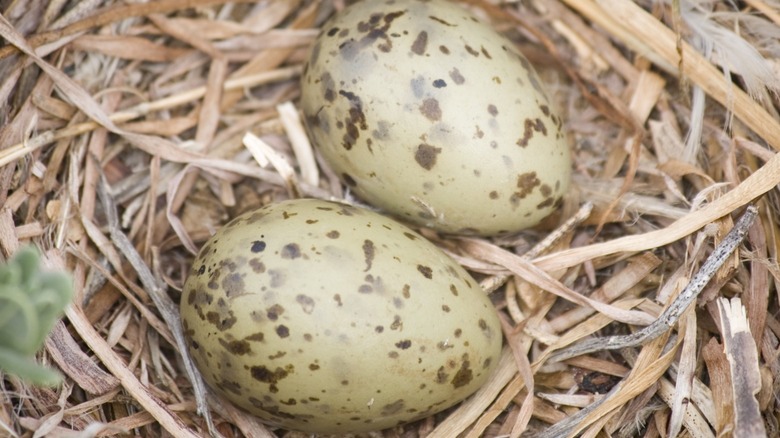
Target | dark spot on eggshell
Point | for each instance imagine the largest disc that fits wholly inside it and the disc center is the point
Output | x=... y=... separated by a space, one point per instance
x=368 y=253
x=314 y=366
x=529 y=127
x=471 y=51
x=220 y=322
x=397 y=323
x=420 y=43
x=526 y=183
x=404 y=344
x=464 y=375
x=382 y=132
x=486 y=330
x=441 y=21
x=355 y=121
x=328 y=86
x=274 y=312
x=425 y=271
x=379 y=329
x=233 y=285
x=265 y=375
x=277 y=355
x=457 y=77
x=439 y=83
x=373 y=32
x=238 y=348
x=199 y=297
x=258 y=246
x=406 y=292
x=546 y=203
x=430 y=109
x=444 y=50
x=426 y=156
x=410 y=236
x=493 y=195
x=282 y=331
x=333 y=234
x=492 y=110
x=445 y=308
x=291 y=251
x=485 y=52
x=393 y=408
x=256 y=265
x=441 y=375
x=306 y=302
x=256 y=337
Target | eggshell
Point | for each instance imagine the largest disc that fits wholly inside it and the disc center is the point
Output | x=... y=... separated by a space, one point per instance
x=328 y=318
x=431 y=115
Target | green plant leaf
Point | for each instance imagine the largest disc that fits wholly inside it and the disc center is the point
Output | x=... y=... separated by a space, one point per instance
x=31 y=302
x=27 y=369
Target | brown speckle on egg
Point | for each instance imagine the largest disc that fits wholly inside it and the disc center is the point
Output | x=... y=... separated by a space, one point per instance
x=457 y=77
x=426 y=271
x=368 y=252
x=306 y=302
x=291 y=251
x=420 y=43
x=426 y=156
x=430 y=109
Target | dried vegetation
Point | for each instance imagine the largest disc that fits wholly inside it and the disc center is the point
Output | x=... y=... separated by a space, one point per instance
x=121 y=150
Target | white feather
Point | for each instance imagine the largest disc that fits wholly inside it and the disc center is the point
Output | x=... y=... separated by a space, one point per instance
x=729 y=49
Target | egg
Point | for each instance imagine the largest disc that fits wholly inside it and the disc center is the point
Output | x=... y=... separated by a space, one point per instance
x=328 y=318
x=429 y=114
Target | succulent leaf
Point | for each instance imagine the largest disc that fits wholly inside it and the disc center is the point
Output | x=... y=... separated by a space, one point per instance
x=31 y=302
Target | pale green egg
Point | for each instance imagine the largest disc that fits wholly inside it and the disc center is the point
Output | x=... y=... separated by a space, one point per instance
x=327 y=318
x=431 y=115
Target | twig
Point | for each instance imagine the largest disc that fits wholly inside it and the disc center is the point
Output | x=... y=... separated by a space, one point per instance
x=160 y=298
x=672 y=313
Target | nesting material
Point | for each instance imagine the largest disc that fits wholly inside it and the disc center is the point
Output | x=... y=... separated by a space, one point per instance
x=131 y=132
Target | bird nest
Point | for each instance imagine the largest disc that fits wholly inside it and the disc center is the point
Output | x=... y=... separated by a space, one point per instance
x=646 y=305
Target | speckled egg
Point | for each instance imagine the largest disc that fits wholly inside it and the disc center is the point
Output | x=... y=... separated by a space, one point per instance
x=327 y=318
x=429 y=114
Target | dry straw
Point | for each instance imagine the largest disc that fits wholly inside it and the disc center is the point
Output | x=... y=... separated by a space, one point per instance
x=131 y=131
